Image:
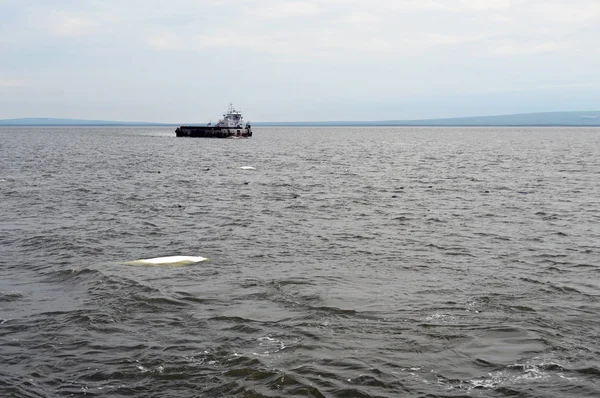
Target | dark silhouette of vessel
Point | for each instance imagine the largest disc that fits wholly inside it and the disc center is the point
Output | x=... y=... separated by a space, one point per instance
x=231 y=126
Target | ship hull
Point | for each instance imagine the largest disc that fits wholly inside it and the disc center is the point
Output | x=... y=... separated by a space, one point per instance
x=213 y=132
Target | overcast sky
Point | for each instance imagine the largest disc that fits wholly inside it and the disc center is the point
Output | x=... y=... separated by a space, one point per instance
x=185 y=60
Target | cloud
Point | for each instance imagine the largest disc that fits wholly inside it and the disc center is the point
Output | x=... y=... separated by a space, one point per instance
x=71 y=25
x=380 y=28
x=528 y=48
x=485 y=5
x=171 y=41
x=447 y=40
x=546 y=87
x=282 y=9
x=7 y=83
x=569 y=13
x=324 y=43
x=359 y=17
x=456 y=6
x=336 y=29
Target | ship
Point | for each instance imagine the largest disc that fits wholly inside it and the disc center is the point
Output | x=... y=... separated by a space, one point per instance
x=231 y=126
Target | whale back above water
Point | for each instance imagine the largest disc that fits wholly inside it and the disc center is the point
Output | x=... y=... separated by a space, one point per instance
x=170 y=260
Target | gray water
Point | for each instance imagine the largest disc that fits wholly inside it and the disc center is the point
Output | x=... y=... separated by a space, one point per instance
x=353 y=262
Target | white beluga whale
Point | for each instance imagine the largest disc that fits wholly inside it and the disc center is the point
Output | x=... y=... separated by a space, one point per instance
x=171 y=260
x=248 y=168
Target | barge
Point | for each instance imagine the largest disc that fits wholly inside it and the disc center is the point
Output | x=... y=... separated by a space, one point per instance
x=231 y=126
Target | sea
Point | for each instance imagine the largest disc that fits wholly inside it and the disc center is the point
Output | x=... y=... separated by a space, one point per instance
x=343 y=262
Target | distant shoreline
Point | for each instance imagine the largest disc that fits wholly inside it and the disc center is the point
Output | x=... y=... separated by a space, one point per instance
x=542 y=119
x=306 y=125
x=88 y=125
x=426 y=125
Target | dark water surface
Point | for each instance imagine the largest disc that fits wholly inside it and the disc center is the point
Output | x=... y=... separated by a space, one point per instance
x=361 y=262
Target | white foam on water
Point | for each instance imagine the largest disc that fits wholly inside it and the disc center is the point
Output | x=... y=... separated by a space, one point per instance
x=171 y=260
x=534 y=370
x=269 y=345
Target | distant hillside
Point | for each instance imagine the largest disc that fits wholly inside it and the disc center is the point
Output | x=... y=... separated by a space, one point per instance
x=34 y=121
x=584 y=118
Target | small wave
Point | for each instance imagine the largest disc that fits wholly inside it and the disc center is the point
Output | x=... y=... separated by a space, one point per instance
x=588 y=371
x=520 y=308
x=244 y=329
x=292 y=281
x=562 y=289
x=249 y=381
x=437 y=220
x=234 y=319
x=159 y=301
x=543 y=370
x=334 y=310
x=73 y=275
x=11 y=296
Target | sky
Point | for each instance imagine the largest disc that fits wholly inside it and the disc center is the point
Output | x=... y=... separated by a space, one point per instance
x=183 y=61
